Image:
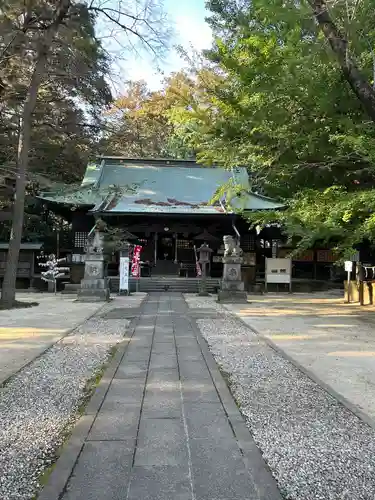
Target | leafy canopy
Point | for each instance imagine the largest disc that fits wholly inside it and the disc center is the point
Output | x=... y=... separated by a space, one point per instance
x=137 y=124
x=271 y=96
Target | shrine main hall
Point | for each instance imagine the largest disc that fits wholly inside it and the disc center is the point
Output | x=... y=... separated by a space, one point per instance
x=166 y=205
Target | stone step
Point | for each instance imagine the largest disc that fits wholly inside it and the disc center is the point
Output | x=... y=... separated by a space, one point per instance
x=156 y=284
x=183 y=285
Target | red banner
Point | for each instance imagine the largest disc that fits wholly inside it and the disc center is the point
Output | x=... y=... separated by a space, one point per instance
x=197 y=265
x=198 y=269
x=136 y=261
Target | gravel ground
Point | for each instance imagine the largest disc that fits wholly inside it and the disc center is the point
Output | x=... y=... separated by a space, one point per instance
x=315 y=447
x=40 y=403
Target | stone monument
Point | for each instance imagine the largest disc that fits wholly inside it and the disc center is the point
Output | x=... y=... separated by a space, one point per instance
x=94 y=286
x=232 y=289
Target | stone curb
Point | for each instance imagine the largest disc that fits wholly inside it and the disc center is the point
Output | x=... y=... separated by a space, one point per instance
x=353 y=408
x=251 y=453
x=65 y=334
x=59 y=477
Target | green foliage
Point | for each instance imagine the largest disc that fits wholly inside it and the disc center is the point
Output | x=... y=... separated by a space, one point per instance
x=285 y=108
x=138 y=125
x=62 y=136
x=50 y=48
x=270 y=96
x=332 y=217
x=74 y=92
x=69 y=99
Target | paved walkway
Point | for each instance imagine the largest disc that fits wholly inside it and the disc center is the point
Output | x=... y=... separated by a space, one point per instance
x=334 y=341
x=26 y=333
x=168 y=428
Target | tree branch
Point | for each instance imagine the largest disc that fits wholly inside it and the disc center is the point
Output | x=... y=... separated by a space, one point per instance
x=339 y=45
x=124 y=27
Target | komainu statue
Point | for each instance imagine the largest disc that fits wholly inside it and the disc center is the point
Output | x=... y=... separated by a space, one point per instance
x=95 y=240
x=231 y=247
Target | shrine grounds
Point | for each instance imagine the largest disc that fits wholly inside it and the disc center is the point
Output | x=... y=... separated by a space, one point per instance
x=298 y=421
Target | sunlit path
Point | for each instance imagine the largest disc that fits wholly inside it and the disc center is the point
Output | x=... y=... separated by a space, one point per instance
x=168 y=427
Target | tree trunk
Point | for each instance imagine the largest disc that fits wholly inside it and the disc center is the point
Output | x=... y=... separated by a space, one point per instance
x=339 y=45
x=8 y=292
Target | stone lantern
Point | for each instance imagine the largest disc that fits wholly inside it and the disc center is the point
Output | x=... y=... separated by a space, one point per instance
x=95 y=286
x=232 y=288
x=204 y=253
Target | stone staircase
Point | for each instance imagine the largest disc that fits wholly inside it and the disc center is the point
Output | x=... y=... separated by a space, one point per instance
x=166 y=284
x=155 y=284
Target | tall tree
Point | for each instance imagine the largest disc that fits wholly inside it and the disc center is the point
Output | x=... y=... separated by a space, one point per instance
x=42 y=41
x=138 y=123
x=278 y=103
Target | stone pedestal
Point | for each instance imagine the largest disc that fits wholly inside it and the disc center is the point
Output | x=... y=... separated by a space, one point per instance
x=203 y=287
x=203 y=282
x=232 y=288
x=94 y=286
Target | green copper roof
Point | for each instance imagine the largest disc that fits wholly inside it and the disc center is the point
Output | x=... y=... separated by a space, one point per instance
x=119 y=185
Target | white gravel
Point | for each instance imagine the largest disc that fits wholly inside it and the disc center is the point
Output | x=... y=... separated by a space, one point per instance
x=40 y=403
x=315 y=447
x=196 y=302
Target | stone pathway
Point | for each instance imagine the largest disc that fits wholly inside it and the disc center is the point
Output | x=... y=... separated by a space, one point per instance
x=26 y=333
x=168 y=428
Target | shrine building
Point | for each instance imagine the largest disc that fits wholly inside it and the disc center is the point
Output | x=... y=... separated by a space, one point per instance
x=165 y=204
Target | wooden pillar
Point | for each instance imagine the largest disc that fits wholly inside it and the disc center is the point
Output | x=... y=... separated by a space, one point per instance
x=32 y=269
x=274 y=248
x=175 y=248
x=58 y=243
x=361 y=283
x=155 y=247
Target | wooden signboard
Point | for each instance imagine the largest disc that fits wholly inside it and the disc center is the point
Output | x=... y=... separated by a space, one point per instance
x=279 y=271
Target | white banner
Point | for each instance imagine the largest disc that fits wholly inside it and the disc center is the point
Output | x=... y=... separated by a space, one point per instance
x=124 y=273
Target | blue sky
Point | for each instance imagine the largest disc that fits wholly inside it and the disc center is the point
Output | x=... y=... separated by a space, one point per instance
x=190 y=29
